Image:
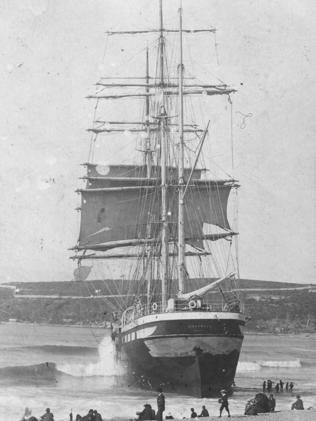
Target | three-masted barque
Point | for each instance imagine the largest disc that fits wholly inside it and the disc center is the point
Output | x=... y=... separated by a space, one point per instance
x=165 y=213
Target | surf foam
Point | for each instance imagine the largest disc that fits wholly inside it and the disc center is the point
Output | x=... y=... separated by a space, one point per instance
x=107 y=366
x=245 y=366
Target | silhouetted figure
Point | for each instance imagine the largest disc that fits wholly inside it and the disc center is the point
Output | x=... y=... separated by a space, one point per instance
x=269 y=385
x=193 y=413
x=88 y=417
x=298 y=404
x=291 y=385
x=277 y=388
x=48 y=416
x=271 y=403
x=281 y=385
x=160 y=405
x=287 y=386
x=224 y=403
x=71 y=416
x=98 y=417
x=264 y=385
x=146 y=414
x=204 y=412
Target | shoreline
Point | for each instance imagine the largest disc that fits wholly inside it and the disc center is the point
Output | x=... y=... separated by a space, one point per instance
x=288 y=415
x=304 y=415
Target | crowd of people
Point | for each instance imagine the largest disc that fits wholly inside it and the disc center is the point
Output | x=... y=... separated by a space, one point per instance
x=148 y=413
x=280 y=386
x=92 y=415
x=260 y=403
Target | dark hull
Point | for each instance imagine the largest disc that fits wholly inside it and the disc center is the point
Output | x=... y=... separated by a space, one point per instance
x=195 y=357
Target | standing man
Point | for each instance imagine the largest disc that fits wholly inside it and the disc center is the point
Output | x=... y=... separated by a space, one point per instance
x=281 y=385
x=224 y=403
x=160 y=405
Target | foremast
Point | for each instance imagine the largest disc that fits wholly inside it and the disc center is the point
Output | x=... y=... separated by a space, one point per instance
x=181 y=240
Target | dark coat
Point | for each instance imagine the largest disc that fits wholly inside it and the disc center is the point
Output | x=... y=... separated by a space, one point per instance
x=161 y=402
x=204 y=413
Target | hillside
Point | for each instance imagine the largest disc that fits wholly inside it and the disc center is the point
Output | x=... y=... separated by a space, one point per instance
x=267 y=310
x=111 y=286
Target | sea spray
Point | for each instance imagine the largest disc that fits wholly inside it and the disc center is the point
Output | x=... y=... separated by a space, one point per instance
x=106 y=366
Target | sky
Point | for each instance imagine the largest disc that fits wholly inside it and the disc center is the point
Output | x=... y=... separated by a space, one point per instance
x=53 y=52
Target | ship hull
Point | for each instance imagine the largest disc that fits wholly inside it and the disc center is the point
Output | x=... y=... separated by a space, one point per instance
x=194 y=354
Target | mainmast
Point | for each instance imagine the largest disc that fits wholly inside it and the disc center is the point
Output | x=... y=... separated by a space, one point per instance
x=163 y=163
x=181 y=241
x=148 y=152
x=161 y=46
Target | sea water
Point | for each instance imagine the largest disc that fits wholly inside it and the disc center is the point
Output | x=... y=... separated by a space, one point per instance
x=69 y=368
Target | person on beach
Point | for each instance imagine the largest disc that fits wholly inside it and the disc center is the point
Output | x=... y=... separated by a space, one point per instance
x=223 y=400
x=204 y=412
x=264 y=385
x=277 y=388
x=98 y=417
x=146 y=414
x=287 y=386
x=291 y=385
x=27 y=415
x=48 y=416
x=281 y=385
x=88 y=417
x=161 y=404
x=193 y=413
x=271 y=402
x=298 y=404
x=269 y=385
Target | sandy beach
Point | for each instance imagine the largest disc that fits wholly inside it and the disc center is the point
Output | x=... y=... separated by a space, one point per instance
x=306 y=415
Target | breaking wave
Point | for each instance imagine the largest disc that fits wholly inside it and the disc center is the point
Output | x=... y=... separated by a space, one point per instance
x=107 y=366
x=55 y=349
x=36 y=372
x=244 y=366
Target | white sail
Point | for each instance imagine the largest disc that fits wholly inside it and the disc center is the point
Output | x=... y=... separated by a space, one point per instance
x=202 y=291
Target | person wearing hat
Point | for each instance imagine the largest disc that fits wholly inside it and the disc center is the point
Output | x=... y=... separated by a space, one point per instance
x=146 y=414
x=223 y=400
x=48 y=416
x=160 y=405
x=298 y=404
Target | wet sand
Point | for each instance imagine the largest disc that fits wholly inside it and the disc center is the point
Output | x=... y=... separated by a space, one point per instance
x=306 y=415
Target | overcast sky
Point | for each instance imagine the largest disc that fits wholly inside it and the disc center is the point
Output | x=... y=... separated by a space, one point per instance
x=53 y=51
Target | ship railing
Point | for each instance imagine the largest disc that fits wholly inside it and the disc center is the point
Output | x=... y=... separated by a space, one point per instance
x=140 y=310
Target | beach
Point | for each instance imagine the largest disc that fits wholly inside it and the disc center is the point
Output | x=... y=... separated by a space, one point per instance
x=82 y=374
x=306 y=415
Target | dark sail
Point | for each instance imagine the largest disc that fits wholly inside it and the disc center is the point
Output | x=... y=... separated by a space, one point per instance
x=120 y=205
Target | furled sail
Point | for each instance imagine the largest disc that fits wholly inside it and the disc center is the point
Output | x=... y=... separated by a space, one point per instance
x=121 y=206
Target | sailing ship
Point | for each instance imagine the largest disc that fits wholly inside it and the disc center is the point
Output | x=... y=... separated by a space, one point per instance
x=166 y=216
